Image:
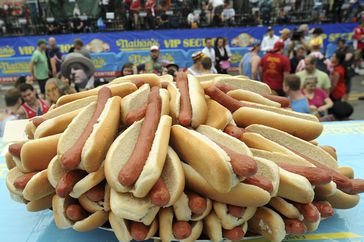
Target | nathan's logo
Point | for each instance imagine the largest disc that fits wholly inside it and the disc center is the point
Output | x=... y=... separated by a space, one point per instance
x=243 y=40
x=139 y=44
x=13 y=68
x=99 y=62
x=236 y=57
x=6 y=51
x=97 y=46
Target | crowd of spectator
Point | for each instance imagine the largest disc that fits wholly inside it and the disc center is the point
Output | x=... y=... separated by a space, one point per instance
x=19 y=18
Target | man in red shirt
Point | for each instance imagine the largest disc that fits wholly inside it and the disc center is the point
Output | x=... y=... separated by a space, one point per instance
x=359 y=36
x=273 y=68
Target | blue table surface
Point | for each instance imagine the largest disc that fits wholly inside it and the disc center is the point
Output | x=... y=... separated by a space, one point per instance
x=347 y=225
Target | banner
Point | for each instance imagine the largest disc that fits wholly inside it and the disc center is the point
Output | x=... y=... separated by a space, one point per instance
x=111 y=50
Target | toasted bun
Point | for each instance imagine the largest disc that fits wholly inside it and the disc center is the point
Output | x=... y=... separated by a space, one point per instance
x=38 y=187
x=125 y=205
x=268 y=223
x=91 y=206
x=166 y=216
x=39 y=150
x=237 y=195
x=55 y=125
x=304 y=129
x=189 y=144
x=342 y=200
x=295 y=187
x=10 y=164
x=151 y=79
x=244 y=95
x=245 y=84
x=346 y=171
x=274 y=156
x=40 y=204
x=228 y=221
x=121 y=90
x=217 y=115
x=121 y=150
x=134 y=101
x=285 y=208
x=305 y=148
x=10 y=178
x=121 y=228
x=183 y=212
x=270 y=170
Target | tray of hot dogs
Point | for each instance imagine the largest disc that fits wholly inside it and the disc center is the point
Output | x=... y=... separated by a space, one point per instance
x=214 y=157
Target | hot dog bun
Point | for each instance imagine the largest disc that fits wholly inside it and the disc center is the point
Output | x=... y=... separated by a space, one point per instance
x=245 y=84
x=197 y=98
x=10 y=164
x=244 y=95
x=134 y=100
x=217 y=115
x=91 y=206
x=94 y=151
x=195 y=182
x=150 y=78
x=342 y=200
x=40 y=204
x=210 y=77
x=274 y=156
x=183 y=212
x=228 y=221
x=270 y=170
x=121 y=150
x=346 y=171
x=166 y=216
x=285 y=208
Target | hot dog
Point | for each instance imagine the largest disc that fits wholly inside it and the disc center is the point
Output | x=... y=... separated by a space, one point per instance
x=197 y=203
x=96 y=199
x=138 y=231
x=324 y=208
x=248 y=96
x=96 y=193
x=236 y=211
x=149 y=78
x=234 y=131
x=159 y=194
x=260 y=181
x=67 y=182
x=21 y=181
x=191 y=206
x=309 y=211
x=75 y=212
x=185 y=109
x=234 y=234
x=285 y=103
x=285 y=208
x=294 y=226
x=138 y=83
x=135 y=115
x=15 y=149
x=181 y=230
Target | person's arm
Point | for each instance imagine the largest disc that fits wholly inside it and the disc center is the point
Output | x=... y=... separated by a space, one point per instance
x=255 y=67
x=328 y=104
x=264 y=44
x=348 y=56
x=287 y=67
x=54 y=66
x=32 y=68
x=21 y=113
x=334 y=79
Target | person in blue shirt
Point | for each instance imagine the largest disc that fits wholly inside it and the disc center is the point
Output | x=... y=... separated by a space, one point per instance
x=291 y=86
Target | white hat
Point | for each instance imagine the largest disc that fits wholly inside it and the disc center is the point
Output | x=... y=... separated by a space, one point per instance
x=154 y=47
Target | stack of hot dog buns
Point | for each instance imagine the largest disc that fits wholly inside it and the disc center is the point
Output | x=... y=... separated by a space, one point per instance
x=214 y=157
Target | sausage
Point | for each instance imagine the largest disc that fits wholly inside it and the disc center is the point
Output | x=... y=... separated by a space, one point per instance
x=294 y=226
x=235 y=211
x=185 y=108
x=134 y=166
x=285 y=103
x=224 y=99
x=67 y=182
x=135 y=115
x=196 y=203
x=234 y=234
x=234 y=131
x=138 y=83
x=357 y=186
x=15 y=149
x=37 y=121
x=72 y=157
x=159 y=193
x=324 y=208
x=21 y=181
x=96 y=194
x=75 y=212
x=225 y=88
x=164 y=85
x=181 y=230
x=138 y=231
x=260 y=181
x=309 y=211
x=242 y=164
x=342 y=182
x=316 y=176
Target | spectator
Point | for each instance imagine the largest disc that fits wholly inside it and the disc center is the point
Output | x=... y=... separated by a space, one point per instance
x=298 y=55
x=348 y=53
x=77 y=24
x=274 y=66
x=228 y=15
x=79 y=70
x=209 y=51
x=79 y=48
x=100 y=82
x=341 y=111
x=54 y=56
x=193 y=20
x=338 y=78
x=141 y=69
x=317 y=36
x=265 y=11
x=39 y=65
x=323 y=80
x=249 y=64
x=196 y=68
x=206 y=65
x=32 y=105
x=218 y=7
x=24 y=79
x=317 y=98
x=359 y=38
x=227 y=47
x=291 y=86
x=127 y=69
x=13 y=103
x=299 y=38
x=222 y=57
x=155 y=63
x=269 y=40
x=282 y=17
x=287 y=41
x=172 y=70
x=69 y=89
x=54 y=90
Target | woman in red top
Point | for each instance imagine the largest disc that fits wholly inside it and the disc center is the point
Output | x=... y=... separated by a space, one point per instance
x=337 y=77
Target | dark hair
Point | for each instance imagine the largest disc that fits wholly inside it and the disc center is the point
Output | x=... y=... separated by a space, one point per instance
x=126 y=65
x=12 y=96
x=340 y=57
x=208 y=38
x=20 y=81
x=206 y=63
x=313 y=60
x=77 y=42
x=25 y=86
x=217 y=40
x=141 y=67
x=293 y=82
x=341 y=40
x=342 y=110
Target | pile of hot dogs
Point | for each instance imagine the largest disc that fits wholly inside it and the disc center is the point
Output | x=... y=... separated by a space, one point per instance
x=213 y=157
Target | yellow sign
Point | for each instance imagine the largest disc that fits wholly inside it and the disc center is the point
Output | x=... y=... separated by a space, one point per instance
x=14 y=68
x=6 y=51
x=133 y=45
x=97 y=46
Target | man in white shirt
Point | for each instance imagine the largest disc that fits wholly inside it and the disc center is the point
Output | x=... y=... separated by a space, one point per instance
x=269 y=40
x=209 y=51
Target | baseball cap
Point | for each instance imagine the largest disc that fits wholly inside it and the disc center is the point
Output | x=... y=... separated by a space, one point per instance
x=154 y=47
x=172 y=64
x=197 y=55
x=278 y=46
x=285 y=31
x=269 y=29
